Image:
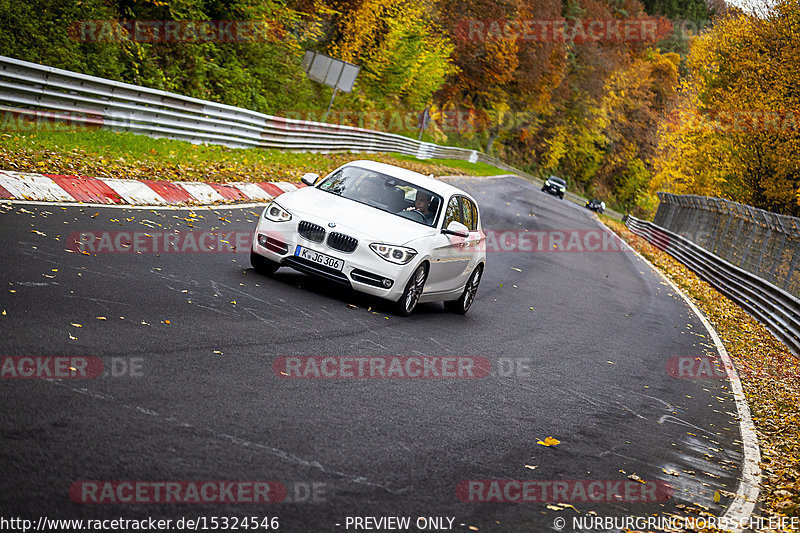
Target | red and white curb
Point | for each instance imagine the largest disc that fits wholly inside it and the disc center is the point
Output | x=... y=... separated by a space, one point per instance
x=111 y=191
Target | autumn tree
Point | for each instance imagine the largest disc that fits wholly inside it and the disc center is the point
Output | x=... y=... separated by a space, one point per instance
x=738 y=129
x=401 y=48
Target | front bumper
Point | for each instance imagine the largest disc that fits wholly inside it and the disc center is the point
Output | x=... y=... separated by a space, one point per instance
x=363 y=269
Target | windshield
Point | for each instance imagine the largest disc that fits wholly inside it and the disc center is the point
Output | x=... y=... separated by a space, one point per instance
x=385 y=193
x=558 y=181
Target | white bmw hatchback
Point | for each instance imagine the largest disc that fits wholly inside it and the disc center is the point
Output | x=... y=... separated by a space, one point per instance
x=380 y=229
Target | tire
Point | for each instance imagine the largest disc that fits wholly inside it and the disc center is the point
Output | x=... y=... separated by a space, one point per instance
x=408 y=301
x=561 y=196
x=464 y=302
x=262 y=265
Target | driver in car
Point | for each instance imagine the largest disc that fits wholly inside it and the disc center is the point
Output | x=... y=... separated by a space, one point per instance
x=422 y=203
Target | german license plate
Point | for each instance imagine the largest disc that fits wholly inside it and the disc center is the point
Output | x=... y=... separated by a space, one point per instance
x=319 y=258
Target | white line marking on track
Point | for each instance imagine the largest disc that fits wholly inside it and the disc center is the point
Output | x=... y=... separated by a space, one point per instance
x=744 y=503
x=277 y=452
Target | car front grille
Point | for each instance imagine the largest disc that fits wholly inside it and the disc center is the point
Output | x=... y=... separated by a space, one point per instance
x=312 y=232
x=343 y=243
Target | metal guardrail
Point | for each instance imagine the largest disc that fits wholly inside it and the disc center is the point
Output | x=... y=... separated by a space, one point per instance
x=33 y=90
x=778 y=310
x=117 y=106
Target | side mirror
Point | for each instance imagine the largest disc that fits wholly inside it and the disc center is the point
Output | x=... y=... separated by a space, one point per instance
x=309 y=178
x=456 y=228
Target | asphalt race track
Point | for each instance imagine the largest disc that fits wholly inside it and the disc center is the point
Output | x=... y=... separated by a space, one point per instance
x=578 y=342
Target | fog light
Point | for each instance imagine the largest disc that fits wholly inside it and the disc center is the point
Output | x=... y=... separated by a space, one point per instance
x=387 y=283
x=262 y=240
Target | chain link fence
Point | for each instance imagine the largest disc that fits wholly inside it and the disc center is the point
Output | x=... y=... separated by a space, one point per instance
x=762 y=243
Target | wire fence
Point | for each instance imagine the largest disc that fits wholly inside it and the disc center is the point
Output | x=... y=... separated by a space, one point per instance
x=762 y=243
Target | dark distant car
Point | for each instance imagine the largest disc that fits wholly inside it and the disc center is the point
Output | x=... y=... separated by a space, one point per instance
x=596 y=205
x=554 y=185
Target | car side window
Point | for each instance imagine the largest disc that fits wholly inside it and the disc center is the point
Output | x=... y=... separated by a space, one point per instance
x=453 y=211
x=470 y=214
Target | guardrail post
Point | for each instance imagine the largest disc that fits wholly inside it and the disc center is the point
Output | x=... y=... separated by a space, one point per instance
x=735 y=243
x=754 y=228
x=724 y=235
x=717 y=214
x=661 y=212
x=765 y=242
x=792 y=268
x=778 y=260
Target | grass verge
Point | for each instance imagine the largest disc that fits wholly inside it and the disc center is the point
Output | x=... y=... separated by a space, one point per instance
x=107 y=154
x=463 y=167
x=769 y=372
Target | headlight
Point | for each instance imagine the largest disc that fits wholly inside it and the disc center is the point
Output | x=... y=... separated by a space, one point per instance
x=276 y=213
x=394 y=254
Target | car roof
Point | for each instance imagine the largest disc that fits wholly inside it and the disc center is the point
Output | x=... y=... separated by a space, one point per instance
x=433 y=185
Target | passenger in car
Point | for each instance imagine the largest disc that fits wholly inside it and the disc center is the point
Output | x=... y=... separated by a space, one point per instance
x=368 y=190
